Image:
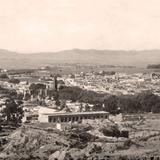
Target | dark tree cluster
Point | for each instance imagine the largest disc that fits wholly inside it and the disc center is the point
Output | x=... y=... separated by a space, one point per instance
x=21 y=71
x=71 y=93
x=9 y=93
x=35 y=88
x=14 y=81
x=78 y=94
x=153 y=66
x=13 y=112
x=105 y=73
x=4 y=76
x=139 y=103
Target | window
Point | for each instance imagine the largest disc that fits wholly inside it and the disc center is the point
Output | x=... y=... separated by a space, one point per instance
x=58 y=120
x=73 y=119
x=102 y=116
x=85 y=117
x=92 y=117
x=54 y=119
x=65 y=119
x=69 y=118
x=28 y=118
x=50 y=119
x=77 y=118
x=62 y=119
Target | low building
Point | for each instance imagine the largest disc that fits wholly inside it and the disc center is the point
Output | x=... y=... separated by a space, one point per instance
x=30 y=118
x=62 y=117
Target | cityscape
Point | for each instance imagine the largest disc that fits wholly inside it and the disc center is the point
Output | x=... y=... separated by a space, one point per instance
x=79 y=80
x=107 y=105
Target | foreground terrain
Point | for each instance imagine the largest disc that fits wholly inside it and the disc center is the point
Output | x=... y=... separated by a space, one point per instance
x=85 y=141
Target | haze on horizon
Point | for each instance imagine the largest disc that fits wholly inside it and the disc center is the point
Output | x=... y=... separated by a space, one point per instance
x=53 y=25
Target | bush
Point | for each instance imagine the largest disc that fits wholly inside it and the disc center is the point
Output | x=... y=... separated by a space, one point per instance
x=14 y=81
x=3 y=76
x=111 y=131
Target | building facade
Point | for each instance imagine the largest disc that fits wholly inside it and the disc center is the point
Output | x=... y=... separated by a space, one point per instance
x=71 y=117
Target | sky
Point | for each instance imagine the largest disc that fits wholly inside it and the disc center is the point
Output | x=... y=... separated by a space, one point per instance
x=53 y=25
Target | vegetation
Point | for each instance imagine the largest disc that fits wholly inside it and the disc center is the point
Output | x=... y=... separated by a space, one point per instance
x=4 y=76
x=21 y=71
x=9 y=93
x=77 y=94
x=13 y=111
x=139 y=103
x=35 y=88
x=111 y=104
x=38 y=86
x=105 y=73
x=112 y=131
x=153 y=66
x=14 y=81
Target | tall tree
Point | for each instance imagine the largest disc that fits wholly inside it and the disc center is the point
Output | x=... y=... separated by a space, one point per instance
x=111 y=104
x=13 y=112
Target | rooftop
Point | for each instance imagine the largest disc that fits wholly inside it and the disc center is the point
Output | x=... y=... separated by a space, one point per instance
x=74 y=113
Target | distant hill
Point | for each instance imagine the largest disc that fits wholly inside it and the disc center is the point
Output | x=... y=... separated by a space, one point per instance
x=143 y=58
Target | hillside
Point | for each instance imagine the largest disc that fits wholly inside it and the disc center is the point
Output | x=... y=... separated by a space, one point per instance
x=10 y=59
x=40 y=141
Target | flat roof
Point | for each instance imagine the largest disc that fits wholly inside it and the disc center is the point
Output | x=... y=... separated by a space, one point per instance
x=74 y=113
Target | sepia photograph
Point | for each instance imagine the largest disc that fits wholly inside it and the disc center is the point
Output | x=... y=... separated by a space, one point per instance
x=79 y=80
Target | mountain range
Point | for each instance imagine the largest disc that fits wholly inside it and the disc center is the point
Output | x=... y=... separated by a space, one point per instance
x=9 y=59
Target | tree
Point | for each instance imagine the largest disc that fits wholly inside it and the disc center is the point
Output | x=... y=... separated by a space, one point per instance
x=71 y=93
x=129 y=104
x=12 y=94
x=156 y=108
x=56 y=97
x=78 y=94
x=81 y=107
x=4 y=76
x=111 y=131
x=62 y=104
x=90 y=97
x=14 y=81
x=27 y=96
x=87 y=108
x=20 y=96
x=35 y=88
x=13 y=112
x=111 y=104
x=148 y=100
x=97 y=107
